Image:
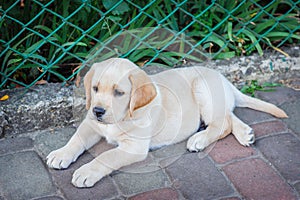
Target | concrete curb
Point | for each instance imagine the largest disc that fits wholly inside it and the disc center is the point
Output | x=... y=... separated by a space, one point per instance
x=41 y=107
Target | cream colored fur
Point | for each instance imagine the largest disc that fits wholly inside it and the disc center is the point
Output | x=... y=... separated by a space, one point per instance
x=144 y=111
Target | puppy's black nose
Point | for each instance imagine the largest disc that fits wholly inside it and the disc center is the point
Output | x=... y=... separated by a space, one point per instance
x=99 y=112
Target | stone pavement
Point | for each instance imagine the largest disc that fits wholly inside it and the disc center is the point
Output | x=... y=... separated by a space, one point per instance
x=270 y=169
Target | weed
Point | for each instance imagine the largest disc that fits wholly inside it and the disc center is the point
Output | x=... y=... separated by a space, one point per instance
x=253 y=86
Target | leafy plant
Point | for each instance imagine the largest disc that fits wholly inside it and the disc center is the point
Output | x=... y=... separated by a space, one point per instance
x=151 y=48
x=253 y=86
x=244 y=27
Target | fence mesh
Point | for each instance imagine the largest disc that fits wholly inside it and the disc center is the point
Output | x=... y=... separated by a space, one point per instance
x=51 y=40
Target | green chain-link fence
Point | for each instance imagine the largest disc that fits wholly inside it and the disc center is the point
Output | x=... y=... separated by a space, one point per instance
x=51 y=40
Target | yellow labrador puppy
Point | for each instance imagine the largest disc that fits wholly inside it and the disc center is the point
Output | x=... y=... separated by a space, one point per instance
x=139 y=112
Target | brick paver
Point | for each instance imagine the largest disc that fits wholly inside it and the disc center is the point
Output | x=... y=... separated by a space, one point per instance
x=294 y=115
x=161 y=194
x=198 y=178
x=254 y=179
x=280 y=96
x=229 y=149
x=23 y=176
x=283 y=151
x=252 y=116
x=267 y=128
x=132 y=183
x=50 y=198
x=269 y=169
x=297 y=187
x=15 y=144
x=102 y=190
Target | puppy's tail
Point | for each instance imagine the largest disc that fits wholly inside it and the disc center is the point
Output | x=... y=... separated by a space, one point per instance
x=243 y=100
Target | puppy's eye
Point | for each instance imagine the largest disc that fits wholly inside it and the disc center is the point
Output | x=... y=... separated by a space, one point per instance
x=118 y=92
x=95 y=88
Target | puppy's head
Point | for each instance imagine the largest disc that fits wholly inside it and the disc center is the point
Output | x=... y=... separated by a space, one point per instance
x=115 y=88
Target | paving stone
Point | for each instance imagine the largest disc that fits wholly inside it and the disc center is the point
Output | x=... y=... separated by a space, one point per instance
x=102 y=190
x=50 y=198
x=229 y=149
x=161 y=194
x=1 y=195
x=145 y=166
x=198 y=178
x=289 y=101
x=132 y=183
x=170 y=150
x=279 y=96
x=15 y=144
x=292 y=109
x=169 y=154
x=297 y=187
x=100 y=147
x=266 y=128
x=254 y=179
x=163 y=163
x=283 y=152
x=49 y=140
x=250 y=116
x=23 y=176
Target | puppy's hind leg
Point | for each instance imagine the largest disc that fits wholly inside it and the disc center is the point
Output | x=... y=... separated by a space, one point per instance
x=209 y=92
x=212 y=133
x=242 y=132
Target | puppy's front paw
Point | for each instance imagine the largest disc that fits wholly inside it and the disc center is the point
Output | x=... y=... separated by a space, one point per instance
x=60 y=159
x=86 y=176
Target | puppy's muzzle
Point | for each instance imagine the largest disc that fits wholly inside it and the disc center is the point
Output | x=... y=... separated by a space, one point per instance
x=99 y=112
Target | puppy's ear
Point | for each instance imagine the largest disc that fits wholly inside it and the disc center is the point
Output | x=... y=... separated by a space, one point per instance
x=87 y=86
x=143 y=91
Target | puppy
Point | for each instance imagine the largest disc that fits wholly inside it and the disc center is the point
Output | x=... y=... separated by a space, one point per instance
x=139 y=112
